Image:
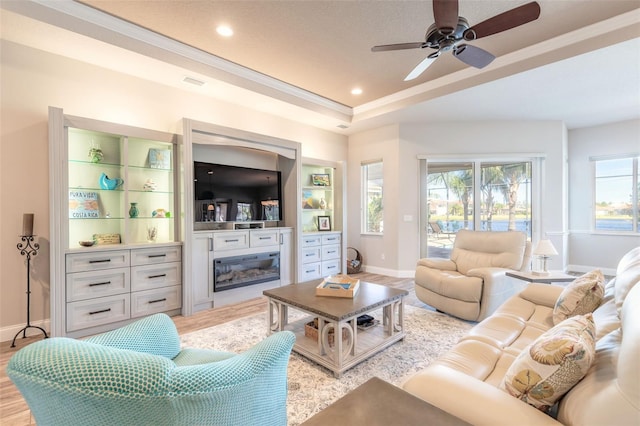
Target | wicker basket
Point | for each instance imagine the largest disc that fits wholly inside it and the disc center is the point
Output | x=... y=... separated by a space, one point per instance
x=354 y=264
x=311 y=330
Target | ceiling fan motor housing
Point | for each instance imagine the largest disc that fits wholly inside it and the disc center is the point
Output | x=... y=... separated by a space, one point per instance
x=445 y=40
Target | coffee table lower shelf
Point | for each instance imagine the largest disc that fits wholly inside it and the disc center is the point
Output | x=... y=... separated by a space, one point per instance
x=350 y=345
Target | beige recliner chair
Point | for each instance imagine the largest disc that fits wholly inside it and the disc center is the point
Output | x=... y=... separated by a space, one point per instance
x=472 y=283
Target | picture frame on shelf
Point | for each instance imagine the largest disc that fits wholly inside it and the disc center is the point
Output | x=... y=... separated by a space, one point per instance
x=307 y=200
x=324 y=223
x=159 y=158
x=320 y=179
x=83 y=204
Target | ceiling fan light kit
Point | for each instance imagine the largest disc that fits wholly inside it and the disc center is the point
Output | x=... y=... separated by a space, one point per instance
x=450 y=30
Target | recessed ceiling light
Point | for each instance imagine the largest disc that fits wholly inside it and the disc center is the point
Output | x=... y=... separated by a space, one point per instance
x=356 y=91
x=224 y=30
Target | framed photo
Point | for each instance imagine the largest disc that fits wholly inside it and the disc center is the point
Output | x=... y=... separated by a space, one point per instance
x=160 y=158
x=324 y=223
x=83 y=205
x=320 y=180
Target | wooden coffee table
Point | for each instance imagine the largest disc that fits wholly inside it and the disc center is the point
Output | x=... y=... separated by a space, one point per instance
x=338 y=316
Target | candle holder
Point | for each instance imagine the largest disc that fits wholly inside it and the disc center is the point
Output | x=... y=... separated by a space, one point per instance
x=28 y=248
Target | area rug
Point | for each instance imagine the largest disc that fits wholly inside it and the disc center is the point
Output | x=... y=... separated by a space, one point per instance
x=313 y=387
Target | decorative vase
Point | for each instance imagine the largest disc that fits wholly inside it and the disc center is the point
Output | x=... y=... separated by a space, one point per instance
x=323 y=204
x=106 y=183
x=95 y=153
x=133 y=210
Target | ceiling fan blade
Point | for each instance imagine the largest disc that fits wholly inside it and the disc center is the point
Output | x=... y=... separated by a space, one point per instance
x=473 y=56
x=398 y=46
x=445 y=13
x=504 y=21
x=422 y=66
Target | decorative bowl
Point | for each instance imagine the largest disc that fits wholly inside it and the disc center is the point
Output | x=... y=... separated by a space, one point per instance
x=86 y=243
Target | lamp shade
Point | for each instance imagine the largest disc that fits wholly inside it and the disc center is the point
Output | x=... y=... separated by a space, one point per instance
x=545 y=248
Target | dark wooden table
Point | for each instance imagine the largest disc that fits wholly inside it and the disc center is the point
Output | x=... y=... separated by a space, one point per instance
x=378 y=403
x=338 y=316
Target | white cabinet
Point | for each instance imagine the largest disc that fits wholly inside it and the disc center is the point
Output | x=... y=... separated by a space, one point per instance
x=208 y=246
x=202 y=270
x=105 y=287
x=321 y=255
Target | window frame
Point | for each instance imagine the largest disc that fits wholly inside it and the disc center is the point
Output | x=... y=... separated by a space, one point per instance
x=365 y=199
x=635 y=194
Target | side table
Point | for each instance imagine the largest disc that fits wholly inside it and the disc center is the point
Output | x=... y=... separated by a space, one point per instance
x=379 y=403
x=552 y=277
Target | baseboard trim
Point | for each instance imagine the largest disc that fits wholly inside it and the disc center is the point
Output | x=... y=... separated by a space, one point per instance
x=7 y=333
x=389 y=272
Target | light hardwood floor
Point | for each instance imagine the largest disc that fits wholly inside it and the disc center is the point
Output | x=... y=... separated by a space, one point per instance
x=15 y=412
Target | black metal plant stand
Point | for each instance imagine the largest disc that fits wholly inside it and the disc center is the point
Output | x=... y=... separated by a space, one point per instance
x=28 y=249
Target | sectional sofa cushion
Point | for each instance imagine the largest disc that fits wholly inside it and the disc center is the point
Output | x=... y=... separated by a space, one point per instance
x=545 y=370
x=580 y=297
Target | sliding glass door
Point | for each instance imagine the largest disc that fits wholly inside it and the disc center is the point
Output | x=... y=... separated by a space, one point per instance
x=481 y=195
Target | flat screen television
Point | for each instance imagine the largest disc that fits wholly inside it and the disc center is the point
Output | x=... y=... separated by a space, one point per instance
x=226 y=193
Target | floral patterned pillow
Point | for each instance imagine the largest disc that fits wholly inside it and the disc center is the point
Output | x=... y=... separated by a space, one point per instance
x=580 y=297
x=546 y=369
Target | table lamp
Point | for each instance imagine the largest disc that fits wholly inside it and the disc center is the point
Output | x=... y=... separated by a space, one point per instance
x=544 y=250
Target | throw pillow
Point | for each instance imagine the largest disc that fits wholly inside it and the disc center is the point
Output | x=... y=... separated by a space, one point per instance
x=582 y=296
x=546 y=369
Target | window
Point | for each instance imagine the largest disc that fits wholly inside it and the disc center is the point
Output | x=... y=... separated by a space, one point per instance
x=483 y=195
x=616 y=202
x=372 y=201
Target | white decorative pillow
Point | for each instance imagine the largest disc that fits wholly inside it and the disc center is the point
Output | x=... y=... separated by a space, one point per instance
x=546 y=369
x=580 y=297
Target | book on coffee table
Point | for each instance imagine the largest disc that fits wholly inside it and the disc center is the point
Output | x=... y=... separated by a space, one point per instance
x=338 y=286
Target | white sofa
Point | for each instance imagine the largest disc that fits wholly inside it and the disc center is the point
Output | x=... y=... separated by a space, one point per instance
x=465 y=380
x=472 y=283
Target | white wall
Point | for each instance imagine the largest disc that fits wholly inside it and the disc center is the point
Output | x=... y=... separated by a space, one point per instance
x=400 y=146
x=33 y=80
x=591 y=249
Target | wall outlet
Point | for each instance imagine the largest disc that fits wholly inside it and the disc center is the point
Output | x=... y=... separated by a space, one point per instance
x=382 y=256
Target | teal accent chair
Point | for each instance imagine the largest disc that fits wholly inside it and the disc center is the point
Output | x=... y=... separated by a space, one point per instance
x=138 y=375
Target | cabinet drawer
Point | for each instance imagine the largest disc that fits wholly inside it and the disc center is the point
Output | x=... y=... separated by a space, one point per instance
x=331 y=267
x=150 y=256
x=152 y=301
x=81 y=262
x=311 y=240
x=155 y=276
x=331 y=252
x=230 y=240
x=86 y=285
x=311 y=271
x=263 y=238
x=331 y=239
x=94 y=312
x=313 y=254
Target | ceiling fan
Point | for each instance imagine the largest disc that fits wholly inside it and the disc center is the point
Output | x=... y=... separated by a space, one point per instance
x=450 y=31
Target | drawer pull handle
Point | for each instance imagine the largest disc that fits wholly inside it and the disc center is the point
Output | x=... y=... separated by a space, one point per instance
x=100 y=261
x=331 y=252
x=100 y=312
x=231 y=241
x=309 y=254
x=265 y=238
x=157 y=276
x=310 y=271
x=158 y=300
x=102 y=283
x=158 y=255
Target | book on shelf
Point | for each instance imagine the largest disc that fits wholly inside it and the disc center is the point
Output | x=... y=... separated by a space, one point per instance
x=338 y=286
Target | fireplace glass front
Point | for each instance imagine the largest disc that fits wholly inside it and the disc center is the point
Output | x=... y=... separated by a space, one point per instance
x=239 y=271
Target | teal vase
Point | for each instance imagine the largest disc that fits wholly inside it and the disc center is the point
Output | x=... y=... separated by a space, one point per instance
x=133 y=210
